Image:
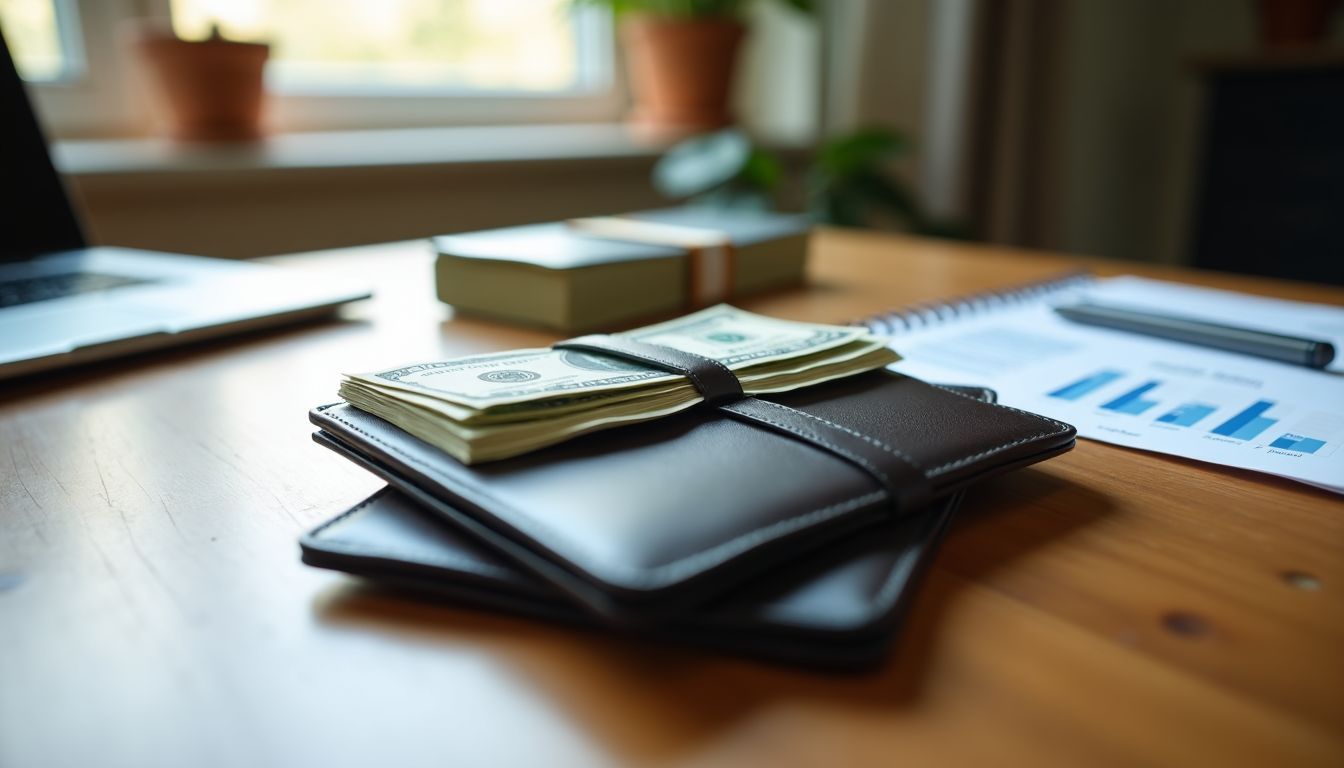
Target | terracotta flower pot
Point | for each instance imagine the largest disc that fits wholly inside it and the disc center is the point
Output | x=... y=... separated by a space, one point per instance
x=681 y=73
x=209 y=90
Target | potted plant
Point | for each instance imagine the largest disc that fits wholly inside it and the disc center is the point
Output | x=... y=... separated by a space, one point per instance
x=848 y=183
x=209 y=90
x=680 y=57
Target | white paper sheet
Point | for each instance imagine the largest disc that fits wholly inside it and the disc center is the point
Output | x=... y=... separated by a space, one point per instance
x=1152 y=394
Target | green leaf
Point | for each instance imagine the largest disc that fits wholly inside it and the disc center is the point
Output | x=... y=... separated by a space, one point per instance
x=848 y=154
x=883 y=191
x=831 y=203
x=843 y=210
x=763 y=170
x=801 y=6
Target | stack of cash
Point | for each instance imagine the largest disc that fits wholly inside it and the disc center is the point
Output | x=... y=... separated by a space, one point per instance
x=494 y=406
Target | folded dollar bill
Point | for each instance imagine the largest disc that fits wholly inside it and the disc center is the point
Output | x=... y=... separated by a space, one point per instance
x=493 y=406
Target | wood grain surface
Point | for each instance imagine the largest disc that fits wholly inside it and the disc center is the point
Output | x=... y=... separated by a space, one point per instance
x=1109 y=607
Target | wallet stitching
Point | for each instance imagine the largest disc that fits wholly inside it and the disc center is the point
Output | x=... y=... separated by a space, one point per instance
x=1062 y=426
x=956 y=462
x=866 y=438
x=814 y=437
x=658 y=574
x=986 y=394
x=700 y=384
x=347 y=513
x=991 y=451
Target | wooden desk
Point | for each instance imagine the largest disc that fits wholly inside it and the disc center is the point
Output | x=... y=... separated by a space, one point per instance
x=1106 y=607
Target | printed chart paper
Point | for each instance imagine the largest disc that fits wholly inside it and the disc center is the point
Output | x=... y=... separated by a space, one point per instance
x=1149 y=393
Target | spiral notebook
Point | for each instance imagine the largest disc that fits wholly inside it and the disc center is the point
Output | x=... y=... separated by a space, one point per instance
x=1137 y=391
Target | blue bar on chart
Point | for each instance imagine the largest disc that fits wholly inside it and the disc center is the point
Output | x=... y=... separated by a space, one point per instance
x=1186 y=414
x=1132 y=402
x=1293 y=442
x=1083 y=387
x=1247 y=424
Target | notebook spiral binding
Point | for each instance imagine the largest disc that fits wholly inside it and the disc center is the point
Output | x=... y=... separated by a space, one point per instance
x=915 y=316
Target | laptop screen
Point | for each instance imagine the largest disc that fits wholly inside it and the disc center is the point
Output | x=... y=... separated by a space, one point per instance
x=35 y=213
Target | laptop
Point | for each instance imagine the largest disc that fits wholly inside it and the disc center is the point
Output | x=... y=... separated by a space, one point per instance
x=63 y=302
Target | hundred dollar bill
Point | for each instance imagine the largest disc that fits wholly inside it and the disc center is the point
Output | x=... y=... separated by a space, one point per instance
x=492 y=406
x=430 y=419
x=766 y=377
x=740 y=340
x=471 y=444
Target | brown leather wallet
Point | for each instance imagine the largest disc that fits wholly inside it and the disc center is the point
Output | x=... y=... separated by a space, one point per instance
x=639 y=523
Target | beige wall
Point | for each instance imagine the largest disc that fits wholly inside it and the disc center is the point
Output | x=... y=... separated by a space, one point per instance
x=778 y=89
x=877 y=70
x=1129 y=117
x=261 y=212
x=1127 y=109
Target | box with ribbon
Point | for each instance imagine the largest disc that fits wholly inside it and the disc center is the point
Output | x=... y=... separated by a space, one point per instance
x=600 y=273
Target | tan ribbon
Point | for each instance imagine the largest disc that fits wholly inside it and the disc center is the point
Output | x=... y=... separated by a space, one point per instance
x=710 y=255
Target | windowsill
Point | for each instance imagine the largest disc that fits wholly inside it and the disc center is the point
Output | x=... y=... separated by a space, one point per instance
x=308 y=191
x=355 y=149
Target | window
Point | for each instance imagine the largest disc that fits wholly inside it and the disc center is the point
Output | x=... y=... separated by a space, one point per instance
x=43 y=39
x=456 y=46
x=335 y=64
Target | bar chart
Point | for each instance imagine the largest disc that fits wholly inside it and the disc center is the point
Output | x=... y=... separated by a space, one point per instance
x=1086 y=386
x=1291 y=442
x=1187 y=414
x=1188 y=407
x=1247 y=424
x=1133 y=401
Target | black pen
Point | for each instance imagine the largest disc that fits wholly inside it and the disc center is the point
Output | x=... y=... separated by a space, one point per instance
x=1285 y=349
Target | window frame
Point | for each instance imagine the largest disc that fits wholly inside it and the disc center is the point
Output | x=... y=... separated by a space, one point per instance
x=103 y=96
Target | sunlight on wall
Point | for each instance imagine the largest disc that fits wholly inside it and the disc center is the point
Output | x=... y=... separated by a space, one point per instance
x=34 y=38
x=479 y=45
